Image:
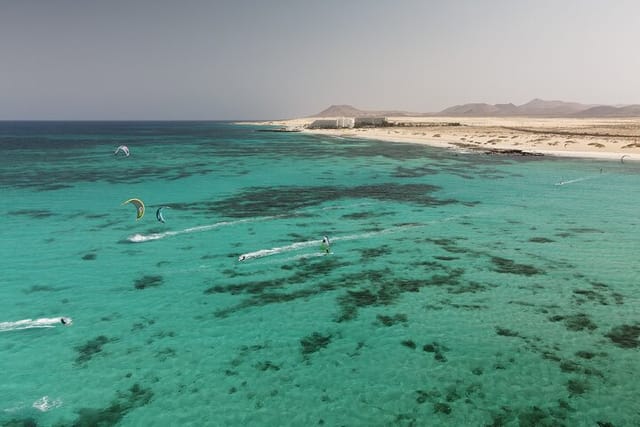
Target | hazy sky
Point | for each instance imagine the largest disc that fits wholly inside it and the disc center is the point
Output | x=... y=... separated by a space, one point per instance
x=184 y=59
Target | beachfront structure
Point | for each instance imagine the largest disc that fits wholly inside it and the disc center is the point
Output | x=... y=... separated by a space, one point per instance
x=371 y=122
x=338 y=123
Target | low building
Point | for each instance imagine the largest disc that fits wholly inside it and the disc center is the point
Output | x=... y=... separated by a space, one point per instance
x=338 y=123
x=371 y=122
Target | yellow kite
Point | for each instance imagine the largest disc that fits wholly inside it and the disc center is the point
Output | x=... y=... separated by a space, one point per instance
x=139 y=207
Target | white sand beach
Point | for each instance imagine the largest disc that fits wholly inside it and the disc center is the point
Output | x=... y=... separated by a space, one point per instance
x=605 y=138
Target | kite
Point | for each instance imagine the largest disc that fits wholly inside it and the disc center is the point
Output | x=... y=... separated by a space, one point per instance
x=122 y=148
x=159 y=216
x=139 y=207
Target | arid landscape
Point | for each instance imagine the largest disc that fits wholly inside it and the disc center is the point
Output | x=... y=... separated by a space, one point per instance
x=560 y=131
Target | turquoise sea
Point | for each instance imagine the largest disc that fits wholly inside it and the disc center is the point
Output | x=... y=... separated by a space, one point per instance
x=460 y=288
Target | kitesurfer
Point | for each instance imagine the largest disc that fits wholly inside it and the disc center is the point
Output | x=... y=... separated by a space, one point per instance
x=242 y=257
x=325 y=244
x=65 y=321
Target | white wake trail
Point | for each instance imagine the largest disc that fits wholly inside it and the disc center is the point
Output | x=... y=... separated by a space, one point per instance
x=45 y=322
x=310 y=243
x=278 y=250
x=140 y=238
x=572 y=181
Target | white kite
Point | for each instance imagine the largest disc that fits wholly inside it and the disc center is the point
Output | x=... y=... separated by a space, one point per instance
x=122 y=148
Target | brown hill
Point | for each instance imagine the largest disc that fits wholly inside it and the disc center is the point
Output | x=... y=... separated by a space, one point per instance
x=540 y=107
x=535 y=107
x=473 y=109
x=610 y=111
x=350 y=111
x=340 y=111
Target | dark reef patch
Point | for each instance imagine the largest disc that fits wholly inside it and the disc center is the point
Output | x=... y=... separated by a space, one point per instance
x=409 y=344
x=437 y=350
x=313 y=343
x=267 y=365
x=446 y=258
x=165 y=353
x=275 y=200
x=113 y=414
x=504 y=265
x=385 y=292
x=305 y=271
x=89 y=257
x=625 y=336
x=536 y=417
x=375 y=252
x=533 y=416
x=417 y=172
x=585 y=230
x=585 y=354
x=21 y=422
x=576 y=322
x=33 y=213
x=365 y=215
x=599 y=293
x=448 y=245
x=465 y=287
x=506 y=332
x=391 y=320
x=577 y=386
x=40 y=288
x=361 y=289
x=441 y=407
x=541 y=240
x=148 y=281
x=90 y=349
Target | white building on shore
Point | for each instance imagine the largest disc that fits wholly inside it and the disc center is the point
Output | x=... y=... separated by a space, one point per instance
x=334 y=123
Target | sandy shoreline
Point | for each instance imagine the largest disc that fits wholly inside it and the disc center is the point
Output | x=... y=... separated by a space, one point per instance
x=602 y=138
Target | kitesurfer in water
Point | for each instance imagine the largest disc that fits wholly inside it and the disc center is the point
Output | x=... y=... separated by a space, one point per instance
x=65 y=321
x=242 y=258
x=325 y=244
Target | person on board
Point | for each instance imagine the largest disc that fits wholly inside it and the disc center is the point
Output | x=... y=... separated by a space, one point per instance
x=325 y=244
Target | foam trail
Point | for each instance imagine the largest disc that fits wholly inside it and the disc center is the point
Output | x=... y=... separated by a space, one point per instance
x=302 y=245
x=278 y=250
x=571 y=181
x=46 y=322
x=45 y=404
x=139 y=238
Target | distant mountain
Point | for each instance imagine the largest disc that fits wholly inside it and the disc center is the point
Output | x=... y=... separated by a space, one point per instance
x=610 y=111
x=540 y=107
x=535 y=107
x=476 y=109
x=350 y=111
x=340 y=111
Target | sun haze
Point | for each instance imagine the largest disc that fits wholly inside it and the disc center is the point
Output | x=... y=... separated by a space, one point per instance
x=261 y=60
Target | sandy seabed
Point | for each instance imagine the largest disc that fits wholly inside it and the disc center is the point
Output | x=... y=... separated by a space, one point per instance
x=605 y=138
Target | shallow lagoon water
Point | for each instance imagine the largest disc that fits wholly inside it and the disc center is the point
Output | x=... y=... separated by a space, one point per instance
x=461 y=289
